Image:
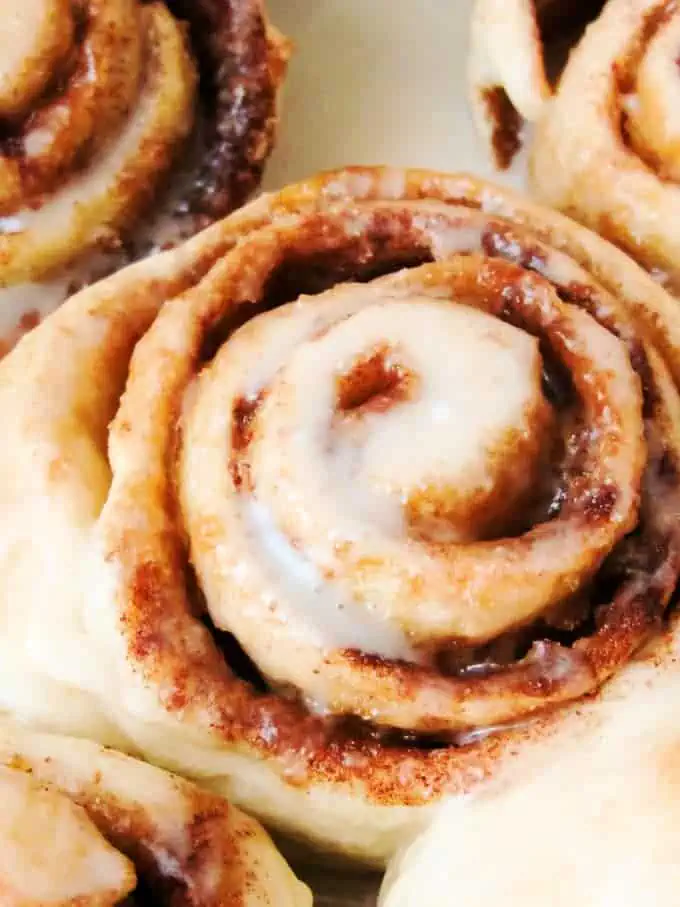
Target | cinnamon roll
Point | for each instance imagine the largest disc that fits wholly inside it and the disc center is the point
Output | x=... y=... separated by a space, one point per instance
x=605 y=147
x=338 y=506
x=515 y=46
x=616 y=167
x=83 y=825
x=98 y=99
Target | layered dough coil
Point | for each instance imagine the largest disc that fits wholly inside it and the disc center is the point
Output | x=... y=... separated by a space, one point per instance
x=82 y=825
x=98 y=99
x=606 y=145
x=308 y=506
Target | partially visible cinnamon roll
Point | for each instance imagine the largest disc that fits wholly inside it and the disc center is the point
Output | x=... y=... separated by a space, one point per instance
x=98 y=99
x=381 y=464
x=513 y=44
x=81 y=825
x=605 y=146
x=607 y=150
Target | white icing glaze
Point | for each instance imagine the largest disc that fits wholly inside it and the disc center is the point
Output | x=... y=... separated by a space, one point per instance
x=334 y=621
x=459 y=413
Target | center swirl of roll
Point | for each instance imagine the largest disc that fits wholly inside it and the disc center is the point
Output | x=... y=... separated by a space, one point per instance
x=408 y=473
x=419 y=413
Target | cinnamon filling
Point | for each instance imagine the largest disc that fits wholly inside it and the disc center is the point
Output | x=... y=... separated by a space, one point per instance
x=243 y=419
x=242 y=63
x=653 y=21
x=374 y=384
x=506 y=137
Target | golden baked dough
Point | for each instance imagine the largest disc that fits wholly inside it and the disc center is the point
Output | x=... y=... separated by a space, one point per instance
x=306 y=504
x=99 y=97
x=82 y=825
x=506 y=73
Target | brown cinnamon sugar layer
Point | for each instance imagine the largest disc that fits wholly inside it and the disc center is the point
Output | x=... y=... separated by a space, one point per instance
x=244 y=59
x=396 y=464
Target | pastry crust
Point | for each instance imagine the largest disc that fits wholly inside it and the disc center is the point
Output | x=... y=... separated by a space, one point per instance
x=506 y=73
x=119 y=463
x=606 y=144
x=603 y=791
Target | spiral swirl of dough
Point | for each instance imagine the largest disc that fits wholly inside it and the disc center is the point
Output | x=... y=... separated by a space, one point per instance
x=382 y=460
x=84 y=825
x=97 y=100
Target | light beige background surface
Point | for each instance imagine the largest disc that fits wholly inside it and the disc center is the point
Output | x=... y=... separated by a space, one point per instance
x=375 y=82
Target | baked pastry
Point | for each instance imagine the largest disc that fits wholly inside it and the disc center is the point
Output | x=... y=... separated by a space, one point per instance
x=83 y=825
x=605 y=147
x=315 y=548
x=514 y=46
x=616 y=167
x=98 y=99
